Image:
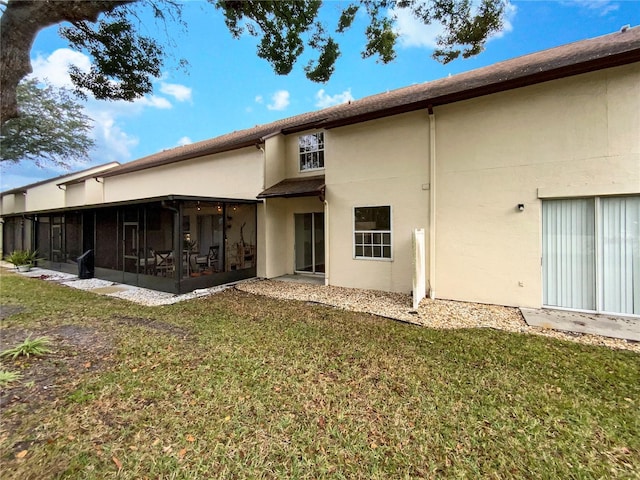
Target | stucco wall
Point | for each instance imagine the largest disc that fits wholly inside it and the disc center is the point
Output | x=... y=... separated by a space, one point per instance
x=575 y=136
x=48 y=196
x=12 y=203
x=75 y=194
x=44 y=197
x=238 y=174
x=292 y=155
x=275 y=153
x=377 y=163
x=279 y=232
x=93 y=191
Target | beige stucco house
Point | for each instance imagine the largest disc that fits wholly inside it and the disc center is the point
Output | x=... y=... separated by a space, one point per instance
x=524 y=177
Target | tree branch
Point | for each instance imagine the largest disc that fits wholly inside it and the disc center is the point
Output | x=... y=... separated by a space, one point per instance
x=20 y=23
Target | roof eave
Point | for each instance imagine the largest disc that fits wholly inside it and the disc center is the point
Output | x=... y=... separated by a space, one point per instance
x=565 y=71
x=314 y=193
x=185 y=156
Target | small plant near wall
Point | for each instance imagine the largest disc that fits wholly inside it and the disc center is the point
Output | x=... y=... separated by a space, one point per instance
x=23 y=259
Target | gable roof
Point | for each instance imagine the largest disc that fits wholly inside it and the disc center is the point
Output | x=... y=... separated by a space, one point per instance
x=589 y=55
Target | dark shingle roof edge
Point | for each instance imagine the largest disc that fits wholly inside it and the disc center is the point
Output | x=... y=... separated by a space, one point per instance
x=295 y=187
x=584 y=56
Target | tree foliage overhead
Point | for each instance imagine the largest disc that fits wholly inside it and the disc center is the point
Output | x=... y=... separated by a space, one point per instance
x=50 y=130
x=124 y=62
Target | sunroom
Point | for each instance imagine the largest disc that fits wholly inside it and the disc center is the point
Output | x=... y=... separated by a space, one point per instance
x=175 y=243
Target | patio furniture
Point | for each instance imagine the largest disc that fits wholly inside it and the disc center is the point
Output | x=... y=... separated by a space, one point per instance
x=164 y=262
x=210 y=259
x=147 y=263
x=241 y=256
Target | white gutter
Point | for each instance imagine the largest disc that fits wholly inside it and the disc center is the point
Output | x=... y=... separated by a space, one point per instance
x=432 y=204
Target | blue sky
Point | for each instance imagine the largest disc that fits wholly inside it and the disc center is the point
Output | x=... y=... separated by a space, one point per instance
x=227 y=87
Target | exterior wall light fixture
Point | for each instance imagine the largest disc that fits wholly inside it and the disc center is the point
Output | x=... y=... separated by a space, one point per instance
x=521 y=207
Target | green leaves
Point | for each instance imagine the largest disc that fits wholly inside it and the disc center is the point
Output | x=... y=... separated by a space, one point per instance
x=467 y=31
x=283 y=26
x=124 y=62
x=36 y=347
x=51 y=128
x=7 y=377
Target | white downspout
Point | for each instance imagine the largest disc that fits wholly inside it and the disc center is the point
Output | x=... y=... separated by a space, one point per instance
x=264 y=165
x=327 y=250
x=265 y=227
x=432 y=203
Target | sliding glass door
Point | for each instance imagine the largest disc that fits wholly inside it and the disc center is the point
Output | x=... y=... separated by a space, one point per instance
x=620 y=257
x=591 y=254
x=568 y=253
x=309 y=237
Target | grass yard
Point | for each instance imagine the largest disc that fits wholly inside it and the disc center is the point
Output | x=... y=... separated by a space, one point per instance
x=239 y=386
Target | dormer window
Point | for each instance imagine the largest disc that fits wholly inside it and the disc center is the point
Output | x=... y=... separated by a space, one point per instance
x=311 y=151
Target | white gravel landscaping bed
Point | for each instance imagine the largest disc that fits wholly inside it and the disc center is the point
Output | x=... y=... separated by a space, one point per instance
x=443 y=314
x=142 y=296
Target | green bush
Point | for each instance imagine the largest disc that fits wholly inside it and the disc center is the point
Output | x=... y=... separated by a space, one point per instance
x=22 y=257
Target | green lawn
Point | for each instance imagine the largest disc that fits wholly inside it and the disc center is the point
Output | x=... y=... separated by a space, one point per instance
x=239 y=386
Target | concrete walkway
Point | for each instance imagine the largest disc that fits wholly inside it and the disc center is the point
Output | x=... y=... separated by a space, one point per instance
x=627 y=328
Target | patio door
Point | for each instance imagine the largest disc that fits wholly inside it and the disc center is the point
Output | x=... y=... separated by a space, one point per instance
x=309 y=243
x=57 y=239
x=591 y=254
x=130 y=250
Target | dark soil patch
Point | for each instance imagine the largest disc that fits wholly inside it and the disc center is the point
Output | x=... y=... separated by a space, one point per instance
x=154 y=325
x=76 y=351
x=8 y=310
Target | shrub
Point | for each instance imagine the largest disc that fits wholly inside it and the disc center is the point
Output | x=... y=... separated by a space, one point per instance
x=22 y=257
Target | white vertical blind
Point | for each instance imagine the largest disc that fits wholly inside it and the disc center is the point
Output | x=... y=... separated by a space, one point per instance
x=568 y=253
x=620 y=257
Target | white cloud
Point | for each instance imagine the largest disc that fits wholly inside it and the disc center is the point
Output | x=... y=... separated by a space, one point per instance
x=507 y=22
x=601 y=7
x=180 y=92
x=154 y=102
x=414 y=33
x=279 y=100
x=259 y=99
x=54 y=68
x=323 y=100
x=184 y=141
x=112 y=141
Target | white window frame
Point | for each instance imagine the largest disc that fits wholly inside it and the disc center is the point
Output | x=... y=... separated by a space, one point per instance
x=382 y=245
x=306 y=150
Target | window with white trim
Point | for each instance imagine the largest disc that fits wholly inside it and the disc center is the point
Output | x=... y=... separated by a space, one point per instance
x=311 y=149
x=372 y=232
